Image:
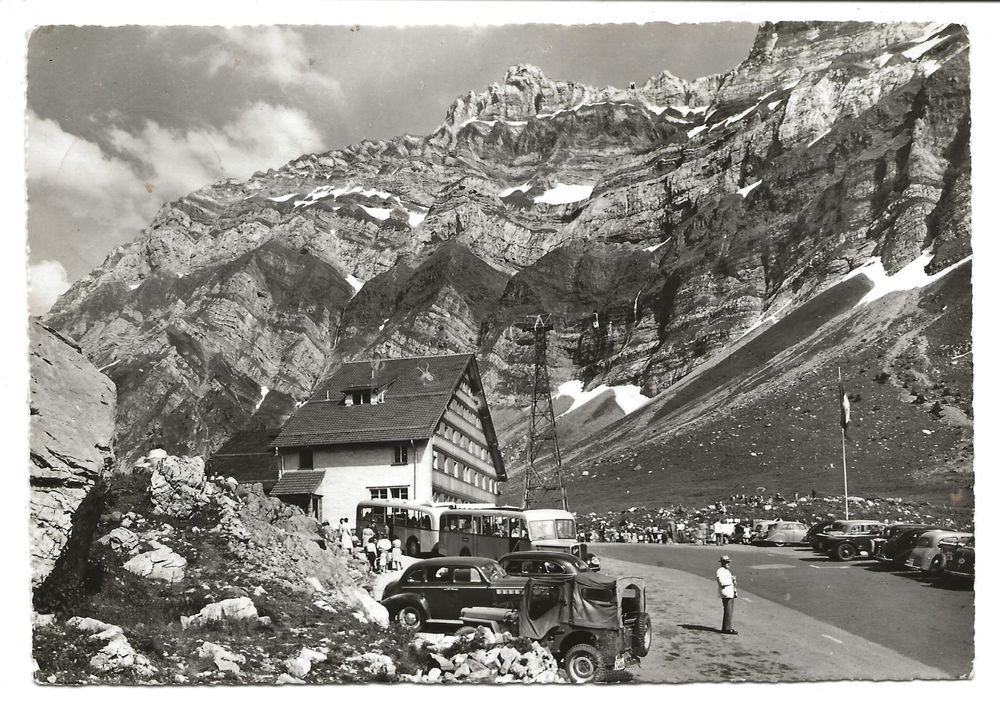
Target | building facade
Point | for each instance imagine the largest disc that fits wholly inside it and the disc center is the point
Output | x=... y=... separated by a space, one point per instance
x=409 y=428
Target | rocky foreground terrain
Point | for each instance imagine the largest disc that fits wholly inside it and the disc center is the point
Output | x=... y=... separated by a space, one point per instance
x=718 y=247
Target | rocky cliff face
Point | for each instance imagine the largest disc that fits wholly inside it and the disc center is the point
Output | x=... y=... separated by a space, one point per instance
x=72 y=423
x=657 y=224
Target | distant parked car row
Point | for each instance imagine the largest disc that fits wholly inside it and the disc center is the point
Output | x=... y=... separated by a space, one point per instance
x=927 y=548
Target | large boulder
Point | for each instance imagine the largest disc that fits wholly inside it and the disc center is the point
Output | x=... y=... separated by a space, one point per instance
x=72 y=423
x=160 y=563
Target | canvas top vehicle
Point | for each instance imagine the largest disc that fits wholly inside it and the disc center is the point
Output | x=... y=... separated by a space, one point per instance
x=591 y=623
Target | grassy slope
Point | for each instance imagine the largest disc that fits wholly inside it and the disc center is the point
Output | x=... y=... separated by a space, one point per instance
x=766 y=414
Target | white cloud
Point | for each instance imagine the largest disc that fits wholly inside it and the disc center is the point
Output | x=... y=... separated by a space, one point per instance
x=275 y=54
x=47 y=281
x=179 y=161
x=98 y=198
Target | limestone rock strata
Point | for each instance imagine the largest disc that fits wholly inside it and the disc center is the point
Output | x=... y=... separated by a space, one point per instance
x=657 y=224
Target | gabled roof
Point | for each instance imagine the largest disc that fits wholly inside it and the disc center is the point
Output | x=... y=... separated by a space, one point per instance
x=298 y=482
x=418 y=394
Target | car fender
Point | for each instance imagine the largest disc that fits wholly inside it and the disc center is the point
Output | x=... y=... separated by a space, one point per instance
x=397 y=601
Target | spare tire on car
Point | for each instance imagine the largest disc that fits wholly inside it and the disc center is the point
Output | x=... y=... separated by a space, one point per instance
x=642 y=636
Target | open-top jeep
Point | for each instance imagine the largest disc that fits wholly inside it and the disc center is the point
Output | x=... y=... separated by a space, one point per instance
x=590 y=623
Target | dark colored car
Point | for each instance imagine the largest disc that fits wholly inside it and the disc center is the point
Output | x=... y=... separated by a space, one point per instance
x=536 y=562
x=959 y=559
x=436 y=590
x=898 y=541
x=591 y=623
x=817 y=529
x=827 y=542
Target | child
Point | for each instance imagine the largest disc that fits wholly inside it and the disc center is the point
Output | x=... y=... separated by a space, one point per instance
x=371 y=554
x=397 y=554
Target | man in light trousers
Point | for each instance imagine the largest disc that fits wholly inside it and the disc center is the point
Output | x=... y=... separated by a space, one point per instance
x=727 y=592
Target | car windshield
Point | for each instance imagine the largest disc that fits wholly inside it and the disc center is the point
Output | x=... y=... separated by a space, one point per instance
x=551 y=529
x=493 y=571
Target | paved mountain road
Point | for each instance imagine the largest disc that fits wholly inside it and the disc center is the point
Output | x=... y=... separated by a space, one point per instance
x=916 y=618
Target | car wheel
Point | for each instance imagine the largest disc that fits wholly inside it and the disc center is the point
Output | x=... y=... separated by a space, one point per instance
x=410 y=616
x=583 y=664
x=937 y=564
x=465 y=631
x=642 y=637
x=413 y=547
x=844 y=552
x=779 y=544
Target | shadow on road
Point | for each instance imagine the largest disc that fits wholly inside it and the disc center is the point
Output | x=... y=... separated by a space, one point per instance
x=697 y=627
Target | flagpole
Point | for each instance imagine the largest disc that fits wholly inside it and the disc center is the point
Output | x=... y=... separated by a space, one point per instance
x=843 y=448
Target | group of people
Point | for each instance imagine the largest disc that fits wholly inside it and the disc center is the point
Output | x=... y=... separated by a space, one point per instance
x=383 y=554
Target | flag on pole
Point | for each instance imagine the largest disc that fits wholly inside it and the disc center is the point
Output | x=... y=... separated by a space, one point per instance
x=845 y=407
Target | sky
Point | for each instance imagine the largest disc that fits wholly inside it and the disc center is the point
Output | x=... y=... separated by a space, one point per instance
x=120 y=120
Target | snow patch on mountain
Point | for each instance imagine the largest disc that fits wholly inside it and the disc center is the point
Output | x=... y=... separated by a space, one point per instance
x=264 y=390
x=356 y=283
x=745 y=191
x=916 y=52
x=520 y=187
x=565 y=194
x=377 y=213
x=651 y=249
x=628 y=397
x=911 y=276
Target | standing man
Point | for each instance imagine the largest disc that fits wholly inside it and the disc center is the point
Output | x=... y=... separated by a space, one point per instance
x=727 y=592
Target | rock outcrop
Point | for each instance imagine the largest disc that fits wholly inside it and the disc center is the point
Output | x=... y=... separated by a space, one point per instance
x=72 y=424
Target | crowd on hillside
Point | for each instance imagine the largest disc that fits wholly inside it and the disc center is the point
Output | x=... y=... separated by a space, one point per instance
x=740 y=517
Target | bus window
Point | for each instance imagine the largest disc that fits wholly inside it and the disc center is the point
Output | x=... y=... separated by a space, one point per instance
x=475 y=524
x=517 y=528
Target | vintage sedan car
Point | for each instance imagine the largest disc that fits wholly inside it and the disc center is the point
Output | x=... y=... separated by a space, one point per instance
x=960 y=561
x=823 y=543
x=781 y=533
x=897 y=541
x=927 y=556
x=539 y=562
x=436 y=590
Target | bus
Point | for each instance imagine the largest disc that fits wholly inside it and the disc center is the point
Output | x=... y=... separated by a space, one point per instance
x=479 y=530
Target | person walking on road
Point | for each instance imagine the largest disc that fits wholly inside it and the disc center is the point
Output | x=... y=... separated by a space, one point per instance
x=727 y=592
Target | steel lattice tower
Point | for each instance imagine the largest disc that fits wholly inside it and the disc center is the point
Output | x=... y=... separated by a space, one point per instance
x=542 y=429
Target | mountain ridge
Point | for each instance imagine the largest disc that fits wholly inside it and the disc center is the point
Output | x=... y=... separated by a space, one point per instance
x=677 y=227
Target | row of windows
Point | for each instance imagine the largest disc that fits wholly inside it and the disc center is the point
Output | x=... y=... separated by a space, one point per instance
x=400 y=456
x=491 y=525
x=457 y=437
x=416 y=519
x=389 y=493
x=448 y=465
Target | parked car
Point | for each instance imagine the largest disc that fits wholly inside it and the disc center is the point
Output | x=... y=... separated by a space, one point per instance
x=781 y=533
x=897 y=541
x=436 y=590
x=817 y=529
x=590 y=623
x=927 y=556
x=538 y=562
x=961 y=561
x=822 y=543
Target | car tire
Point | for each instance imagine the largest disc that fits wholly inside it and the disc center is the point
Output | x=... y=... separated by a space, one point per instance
x=411 y=617
x=465 y=631
x=844 y=552
x=779 y=544
x=936 y=567
x=413 y=547
x=642 y=637
x=583 y=664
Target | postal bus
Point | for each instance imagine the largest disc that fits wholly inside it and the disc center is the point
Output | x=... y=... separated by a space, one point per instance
x=478 y=530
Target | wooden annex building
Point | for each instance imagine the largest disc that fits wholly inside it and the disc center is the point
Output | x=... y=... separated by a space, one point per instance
x=408 y=428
